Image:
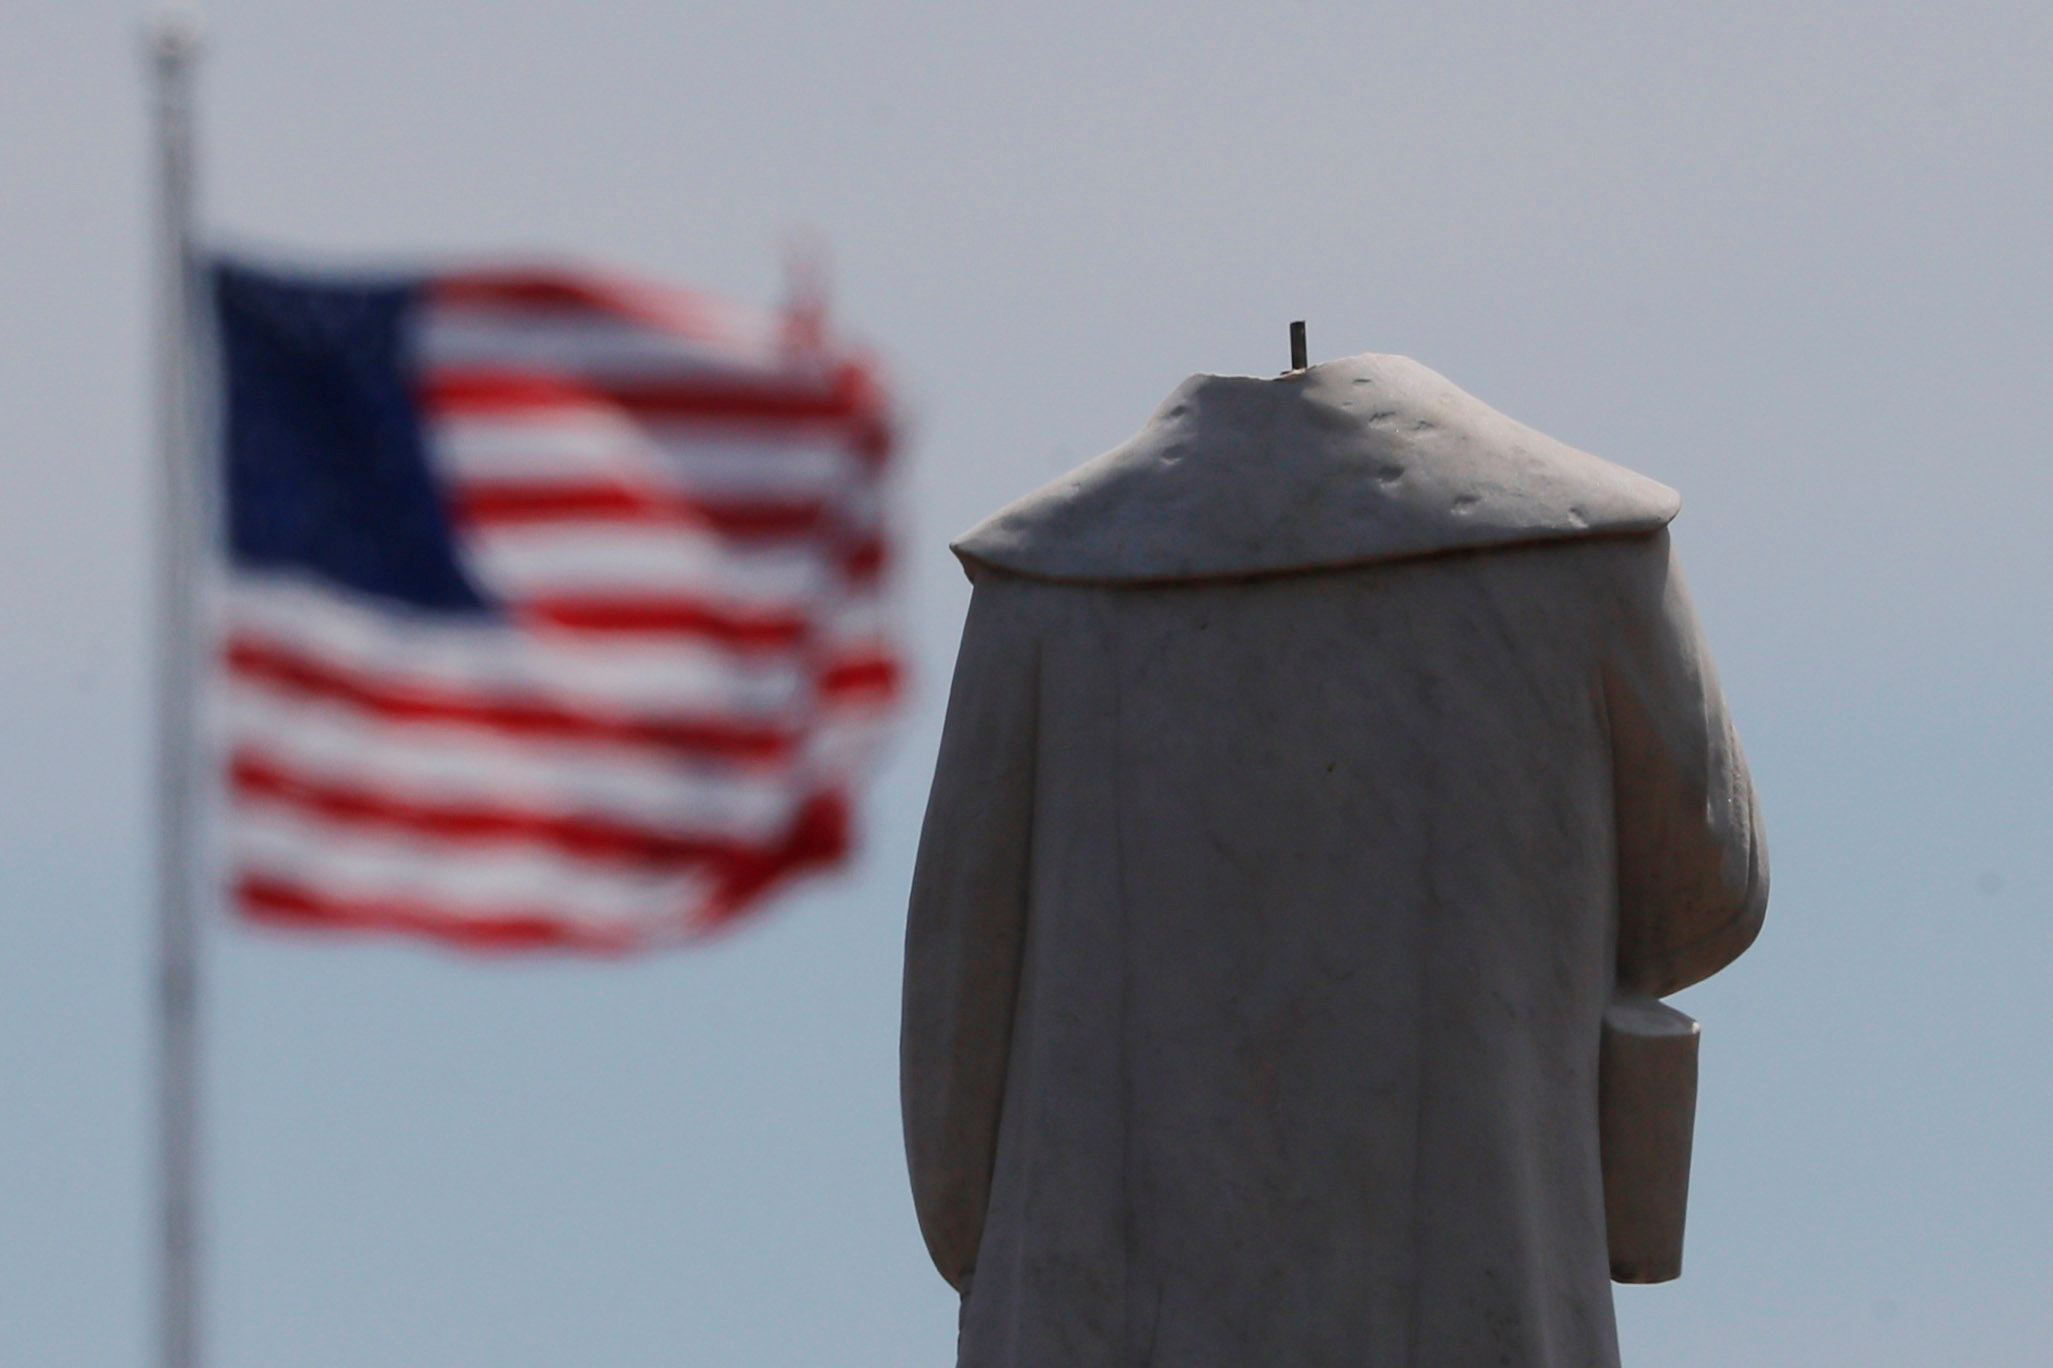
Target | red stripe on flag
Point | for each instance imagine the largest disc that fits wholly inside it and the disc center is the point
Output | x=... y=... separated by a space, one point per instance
x=497 y=503
x=864 y=561
x=467 y=390
x=546 y=292
x=285 y=671
x=877 y=675
x=818 y=836
x=742 y=631
x=278 y=902
x=255 y=777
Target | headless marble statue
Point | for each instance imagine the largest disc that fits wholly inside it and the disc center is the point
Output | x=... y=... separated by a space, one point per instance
x=1333 y=778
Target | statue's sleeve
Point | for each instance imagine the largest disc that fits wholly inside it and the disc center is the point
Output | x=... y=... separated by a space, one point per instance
x=966 y=926
x=1692 y=864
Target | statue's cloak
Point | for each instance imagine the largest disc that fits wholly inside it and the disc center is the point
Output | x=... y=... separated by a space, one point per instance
x=1317 y=764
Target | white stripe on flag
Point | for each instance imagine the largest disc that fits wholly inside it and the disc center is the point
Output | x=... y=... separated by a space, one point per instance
x=489 y=657
x=442 y=765
x=570 y=446
x=531 y=560
x=694 y=460
x=479 y=885
x=583 y=343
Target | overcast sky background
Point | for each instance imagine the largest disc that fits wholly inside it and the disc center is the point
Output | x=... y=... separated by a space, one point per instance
x=1791 y=259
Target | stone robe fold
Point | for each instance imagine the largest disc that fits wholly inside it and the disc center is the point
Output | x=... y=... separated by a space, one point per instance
x=1272 y=892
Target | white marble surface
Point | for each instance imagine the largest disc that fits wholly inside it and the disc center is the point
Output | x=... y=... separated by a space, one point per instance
x=1646 y=1114
x=1264 y=927
x=1367 y=458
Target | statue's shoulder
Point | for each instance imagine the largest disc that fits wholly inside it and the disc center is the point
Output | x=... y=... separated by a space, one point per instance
x=1365 y=459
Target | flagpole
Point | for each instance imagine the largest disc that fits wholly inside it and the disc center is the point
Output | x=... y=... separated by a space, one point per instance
x=173 y=45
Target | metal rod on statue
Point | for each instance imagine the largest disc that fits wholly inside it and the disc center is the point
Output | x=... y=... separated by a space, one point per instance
x=173 y=44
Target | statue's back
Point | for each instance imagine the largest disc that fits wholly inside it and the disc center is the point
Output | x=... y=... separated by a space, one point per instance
x=1262 y=938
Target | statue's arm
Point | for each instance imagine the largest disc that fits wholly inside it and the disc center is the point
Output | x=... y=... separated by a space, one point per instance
x=1692 y=864
x=966 y=926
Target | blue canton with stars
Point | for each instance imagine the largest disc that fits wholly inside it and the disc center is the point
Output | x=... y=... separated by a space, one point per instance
x=326 y=465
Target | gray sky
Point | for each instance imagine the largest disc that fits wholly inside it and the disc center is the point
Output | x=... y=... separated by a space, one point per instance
x=1790 y=259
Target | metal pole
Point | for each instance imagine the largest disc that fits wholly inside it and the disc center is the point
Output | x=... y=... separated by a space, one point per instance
x=173 y=44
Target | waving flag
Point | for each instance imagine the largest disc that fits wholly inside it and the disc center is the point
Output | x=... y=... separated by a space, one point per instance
x=551 y=614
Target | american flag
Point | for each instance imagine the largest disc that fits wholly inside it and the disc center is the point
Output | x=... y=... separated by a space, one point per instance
x=550 y=613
